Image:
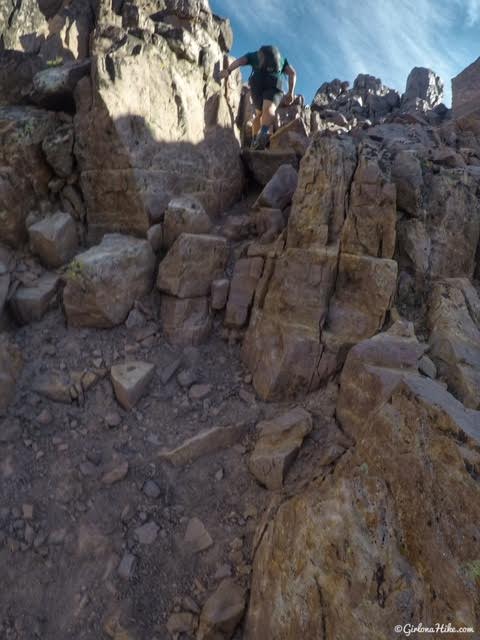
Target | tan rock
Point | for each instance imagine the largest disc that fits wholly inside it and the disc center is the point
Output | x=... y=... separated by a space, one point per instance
x=465 y=88
x=372 y=216
x=454 y=320
x=291 y=137
x=186 y=321
x=130 y=381
x=246 y=275
x=197 y=538
x=204 y=443
x=29 y=304
x=363 y=536
x=155 y=237
x=116 y=473
x=191 y=265
x=278 y=445
x=183 y=622
x=184 y=215
x=319 y=204
x=364 y=292
x=103 y=283
x=222 y=612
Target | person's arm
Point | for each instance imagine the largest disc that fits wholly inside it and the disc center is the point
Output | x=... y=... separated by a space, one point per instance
x=239 y=62
x=292 y=80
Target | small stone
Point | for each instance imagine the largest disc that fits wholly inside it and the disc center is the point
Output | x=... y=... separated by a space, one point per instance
x=219 y=293
x=151 y=489
x=187 y=378
x=130 y=381
x=147 y=533
x=57 y=537
x=427 y=367
x=219 y=475
x=45 y=417
x=199 y=391
x=116 y=474
x=87 y=469
x=27 y=510
x=113 y=419
x=169 y=371
x=182 y=622
x=197 y=537
x=127 y=566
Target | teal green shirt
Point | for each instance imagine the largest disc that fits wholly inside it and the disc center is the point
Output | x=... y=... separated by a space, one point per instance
x=252 y=60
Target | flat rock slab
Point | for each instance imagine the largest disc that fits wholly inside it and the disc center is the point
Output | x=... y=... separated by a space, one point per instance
x=197 y=537
x=184 y=214
x=204 y=443
x=278 y=446
x=264 y=164
x=130 y=381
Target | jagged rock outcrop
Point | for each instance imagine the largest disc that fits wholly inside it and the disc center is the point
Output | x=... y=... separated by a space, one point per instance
x=361 y=546
x=131 y=160
x=424 y=90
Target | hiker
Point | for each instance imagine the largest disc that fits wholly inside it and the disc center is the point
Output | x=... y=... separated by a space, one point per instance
x=266 y=85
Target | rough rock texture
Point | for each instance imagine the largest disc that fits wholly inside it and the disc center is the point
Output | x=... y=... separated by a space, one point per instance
x=465 y=91
x=103 y=283
x=263 y=165
x=279 y=441
x=54 y=239
x=454 y=319
x=424 y=90
x=185 y=321
x=184 y=215
x=30 y=303
x=278 y=192
x=222 y=612
x=244 y=282
x=191 y=265
x=291 y=137
x=361 y=548
x=24 y=173
x=152 y=122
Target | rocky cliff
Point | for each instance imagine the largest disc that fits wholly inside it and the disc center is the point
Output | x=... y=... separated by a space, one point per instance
x=239 y=391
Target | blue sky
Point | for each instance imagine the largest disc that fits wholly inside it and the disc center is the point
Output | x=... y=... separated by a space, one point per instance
x=327 y=39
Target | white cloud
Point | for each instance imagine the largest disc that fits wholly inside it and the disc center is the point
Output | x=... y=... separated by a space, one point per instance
x=385 y=38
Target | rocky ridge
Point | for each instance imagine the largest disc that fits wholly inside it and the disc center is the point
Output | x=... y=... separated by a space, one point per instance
x=201 y=403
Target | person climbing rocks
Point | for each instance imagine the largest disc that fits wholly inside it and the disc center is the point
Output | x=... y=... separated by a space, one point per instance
x=266 y=86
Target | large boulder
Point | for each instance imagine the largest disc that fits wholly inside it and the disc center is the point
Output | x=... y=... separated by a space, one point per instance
x=152 y=122
x=278 y=192
x=103 y=283
x=454 y=319
x=191 y=265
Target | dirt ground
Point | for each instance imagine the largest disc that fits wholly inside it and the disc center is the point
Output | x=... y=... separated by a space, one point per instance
x=66 y=536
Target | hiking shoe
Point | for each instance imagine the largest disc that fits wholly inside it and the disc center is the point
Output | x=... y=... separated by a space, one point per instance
x=261 y=142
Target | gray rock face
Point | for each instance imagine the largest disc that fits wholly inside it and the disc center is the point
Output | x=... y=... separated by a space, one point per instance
x=465 y=98
x=424 y=90
x=29 y=304
x=103 y=283
x=184 y=215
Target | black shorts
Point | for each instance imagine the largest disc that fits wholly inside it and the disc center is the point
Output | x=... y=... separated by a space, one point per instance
x=265 y=88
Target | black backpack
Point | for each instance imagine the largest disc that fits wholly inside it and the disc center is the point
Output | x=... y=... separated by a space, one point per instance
x=270 y=59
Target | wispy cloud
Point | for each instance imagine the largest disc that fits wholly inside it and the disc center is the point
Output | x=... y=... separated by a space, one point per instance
x=343 y=38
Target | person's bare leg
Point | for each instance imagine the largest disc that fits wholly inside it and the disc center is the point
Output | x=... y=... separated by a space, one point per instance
x=257 y=123
x=268 y=114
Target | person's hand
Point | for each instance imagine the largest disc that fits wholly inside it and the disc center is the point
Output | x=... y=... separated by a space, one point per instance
x=223 y=74
x=289 y=98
